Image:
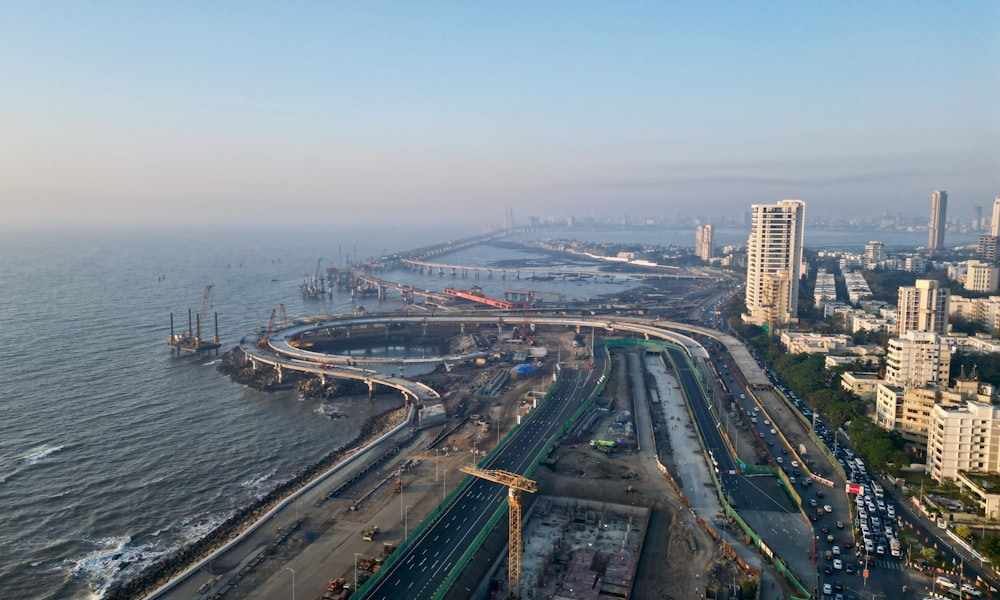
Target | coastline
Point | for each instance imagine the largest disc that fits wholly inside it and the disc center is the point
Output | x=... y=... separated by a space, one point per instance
x=156 y=576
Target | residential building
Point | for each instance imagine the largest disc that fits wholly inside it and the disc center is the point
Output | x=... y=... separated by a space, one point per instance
x=986 y=249
x=826 y=287
x=981 y=276
x=857 y=287
x=963 y=438
x=984 y=311
x=922 y=307
x=774 y=263
x=874 y=254
x=908 y=410
x=917 y=359
x=814 y=343
x=704 y=242
x=862 y=385
x=939 y=212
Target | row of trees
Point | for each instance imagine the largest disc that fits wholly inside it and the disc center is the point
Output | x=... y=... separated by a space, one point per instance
x=819 y=387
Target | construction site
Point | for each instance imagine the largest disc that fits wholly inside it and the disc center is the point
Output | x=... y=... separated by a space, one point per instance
x=581 y=550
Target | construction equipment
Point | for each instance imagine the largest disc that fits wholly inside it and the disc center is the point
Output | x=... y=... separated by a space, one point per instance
x=204 y=308
x=266 y=334
x=191 y=340
x=397 y=487
x=370 y=533
x=515 y=485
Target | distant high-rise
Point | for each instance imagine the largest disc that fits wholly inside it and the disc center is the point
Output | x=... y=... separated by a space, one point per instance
x=922 y=307
x=939 y=209
x=995 y=222
x=774 y=262
x=704 y=241
x=874 y=254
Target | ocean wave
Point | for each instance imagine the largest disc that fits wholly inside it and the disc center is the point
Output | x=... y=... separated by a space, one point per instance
x=196 y=529
x=114 y=560
x=258 y=486
x=38 y=453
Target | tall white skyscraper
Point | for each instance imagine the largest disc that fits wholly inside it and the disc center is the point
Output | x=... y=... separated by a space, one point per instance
x=995 y=222
x=939 y=209
x=774 y=262
x=704 y=242
x=922 y=307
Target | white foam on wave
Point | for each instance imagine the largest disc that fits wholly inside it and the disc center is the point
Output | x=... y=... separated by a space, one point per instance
x=196 y=529
x=258 y=485
x=39 y=452
x=329 y=411
x=209 y=364
x=113 y=560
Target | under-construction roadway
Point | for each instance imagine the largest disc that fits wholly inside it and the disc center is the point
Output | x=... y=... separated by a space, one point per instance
x=428 y=561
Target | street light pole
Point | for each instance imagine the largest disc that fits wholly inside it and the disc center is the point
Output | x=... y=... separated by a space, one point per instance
x=293 y=580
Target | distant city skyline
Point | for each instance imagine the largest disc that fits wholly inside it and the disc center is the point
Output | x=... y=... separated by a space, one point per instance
x=122 y=114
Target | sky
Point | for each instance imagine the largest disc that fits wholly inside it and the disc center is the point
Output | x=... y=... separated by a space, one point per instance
x=169 y=113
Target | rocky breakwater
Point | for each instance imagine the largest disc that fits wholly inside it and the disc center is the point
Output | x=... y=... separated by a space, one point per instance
x=264 y=378
x=162 y=572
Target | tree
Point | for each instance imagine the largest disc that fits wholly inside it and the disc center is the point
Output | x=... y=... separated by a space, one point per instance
x=989 y=546
x=927 y=552
x=963 y=531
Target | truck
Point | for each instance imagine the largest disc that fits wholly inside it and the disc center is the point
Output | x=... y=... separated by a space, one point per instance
x=370 y=533
x=605 y=446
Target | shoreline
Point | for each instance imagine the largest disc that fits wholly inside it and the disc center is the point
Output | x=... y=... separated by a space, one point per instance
x=157 y=575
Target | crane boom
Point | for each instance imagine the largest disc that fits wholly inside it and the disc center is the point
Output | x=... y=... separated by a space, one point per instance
x=204 y=305
x=515 y=485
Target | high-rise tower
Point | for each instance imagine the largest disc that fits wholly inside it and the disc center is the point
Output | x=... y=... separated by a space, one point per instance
x=995 y=221
x=774 y=259
x=939 y=209
x=704 y=242
x=922 y=307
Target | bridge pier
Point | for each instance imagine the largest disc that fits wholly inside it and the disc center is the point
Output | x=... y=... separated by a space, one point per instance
x=280 y=373
x=454 y=273
x=322 y=379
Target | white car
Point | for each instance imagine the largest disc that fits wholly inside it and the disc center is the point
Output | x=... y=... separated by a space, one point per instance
x=838 y=564
x=795 y=463
x=827 y=508
x=827 y=588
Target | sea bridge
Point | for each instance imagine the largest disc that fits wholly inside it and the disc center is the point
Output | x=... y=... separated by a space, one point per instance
x=545 y=273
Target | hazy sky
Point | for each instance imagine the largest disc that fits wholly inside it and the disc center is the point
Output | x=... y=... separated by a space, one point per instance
x=244 y=112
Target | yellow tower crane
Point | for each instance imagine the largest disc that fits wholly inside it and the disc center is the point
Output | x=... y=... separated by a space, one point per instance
x=515 y=485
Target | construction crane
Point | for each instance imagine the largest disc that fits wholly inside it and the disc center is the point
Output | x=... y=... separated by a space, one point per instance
x=204 y=309
x=515 y=485
x=266 y=335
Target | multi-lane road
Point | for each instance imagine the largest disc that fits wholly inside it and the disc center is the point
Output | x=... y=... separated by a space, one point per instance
x=427 y=562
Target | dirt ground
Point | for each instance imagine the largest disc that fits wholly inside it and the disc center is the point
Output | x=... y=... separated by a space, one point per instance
x=674 y=540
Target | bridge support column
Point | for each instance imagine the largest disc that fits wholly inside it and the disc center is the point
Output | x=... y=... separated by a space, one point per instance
x=371 y=388
x=461 y=328
x=279 y=373
x=402 y=369
x=322 y=379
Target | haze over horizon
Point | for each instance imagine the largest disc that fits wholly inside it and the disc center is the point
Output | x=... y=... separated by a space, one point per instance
x=121 y=114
